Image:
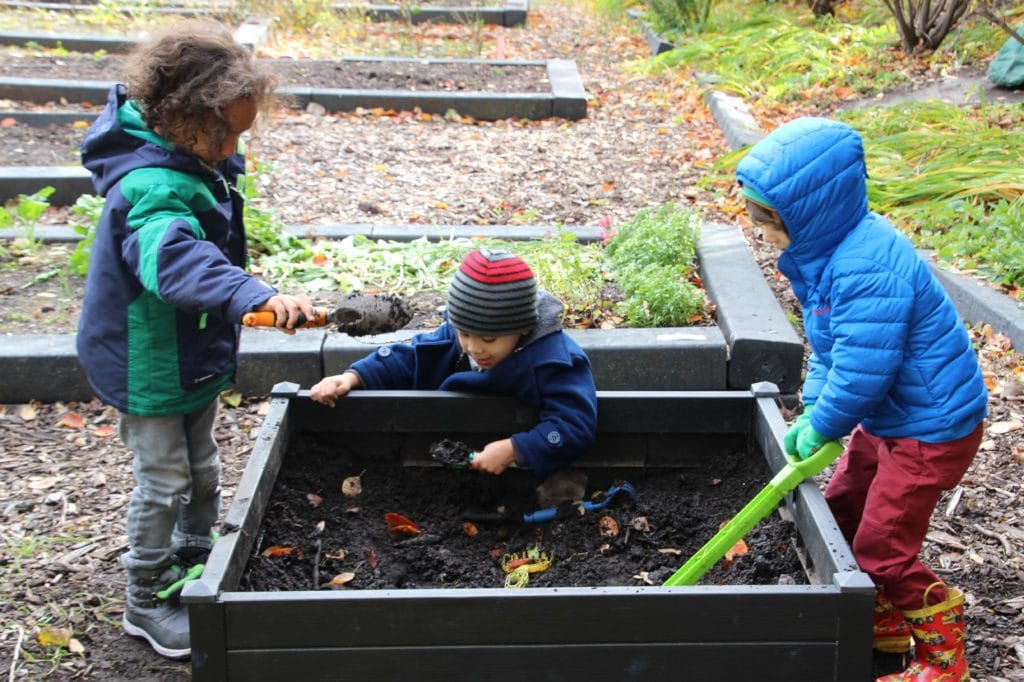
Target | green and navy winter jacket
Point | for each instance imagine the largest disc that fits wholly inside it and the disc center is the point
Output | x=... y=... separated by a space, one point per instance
x=167 y=287
x=888 y=349
x=548 y=371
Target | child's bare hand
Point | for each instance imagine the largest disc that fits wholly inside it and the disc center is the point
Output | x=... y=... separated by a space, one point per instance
x=286 y=309
x=329 y=389
x=495 y=457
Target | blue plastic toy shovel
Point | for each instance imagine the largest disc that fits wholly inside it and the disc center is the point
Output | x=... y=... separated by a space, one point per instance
x=763 y=504
x=550 y=513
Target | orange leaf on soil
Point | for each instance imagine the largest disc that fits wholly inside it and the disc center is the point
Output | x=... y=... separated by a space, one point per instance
x=372 y=559
x=739 y=549
x=8 y=122
x=104 y=431
x=319 y=259
x=72 y=420
x=400 y=525
x=469 y=529
x=277 y=550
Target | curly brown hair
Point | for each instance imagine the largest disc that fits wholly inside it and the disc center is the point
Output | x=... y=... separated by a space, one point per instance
x=187 y=74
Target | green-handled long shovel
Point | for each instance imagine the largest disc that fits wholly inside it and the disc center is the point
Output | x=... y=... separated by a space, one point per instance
x=763 y=504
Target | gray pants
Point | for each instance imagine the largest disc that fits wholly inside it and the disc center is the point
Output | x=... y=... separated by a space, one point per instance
x=176 y=498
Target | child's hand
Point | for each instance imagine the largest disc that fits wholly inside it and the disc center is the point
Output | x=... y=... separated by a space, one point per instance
x=286 y=309
x=495 y=457
x=329 y=389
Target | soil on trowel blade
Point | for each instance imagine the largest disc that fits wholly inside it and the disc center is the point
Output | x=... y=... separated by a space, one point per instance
x=465 y=525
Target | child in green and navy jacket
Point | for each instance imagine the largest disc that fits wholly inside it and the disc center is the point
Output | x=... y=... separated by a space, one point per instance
x=166 y=291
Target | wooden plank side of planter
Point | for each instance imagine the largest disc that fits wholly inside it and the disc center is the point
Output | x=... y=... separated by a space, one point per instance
x=472 y=617
x=541 y=663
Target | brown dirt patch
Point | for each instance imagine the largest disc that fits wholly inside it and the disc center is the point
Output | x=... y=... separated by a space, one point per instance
x=382 y=74
x=673 y=509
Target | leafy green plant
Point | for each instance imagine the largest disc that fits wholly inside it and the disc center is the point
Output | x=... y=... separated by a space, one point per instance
x=679 y=15
x=25 y=212
x=653 y=257
x=85 y=217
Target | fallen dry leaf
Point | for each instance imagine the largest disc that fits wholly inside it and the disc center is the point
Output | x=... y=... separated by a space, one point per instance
x=278 y=551
x=314 y=499
x=739 y=549
x=1005 y=426
x=54 y=636
x=342 y=578
x=71 y=420
x=608 y=527
x=352 y=486
x=469 y=529
x=27 y=413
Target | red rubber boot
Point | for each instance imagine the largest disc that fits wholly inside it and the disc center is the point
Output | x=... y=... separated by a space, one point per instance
x=891 y=630
x=938 y=632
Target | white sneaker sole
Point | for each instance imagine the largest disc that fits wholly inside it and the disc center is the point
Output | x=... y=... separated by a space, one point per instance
x=136 y=631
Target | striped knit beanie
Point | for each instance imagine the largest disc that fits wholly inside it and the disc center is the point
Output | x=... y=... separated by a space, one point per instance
x=494 y=293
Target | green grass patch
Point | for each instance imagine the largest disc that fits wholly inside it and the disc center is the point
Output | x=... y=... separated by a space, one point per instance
x=951 y=178
x=779 y=52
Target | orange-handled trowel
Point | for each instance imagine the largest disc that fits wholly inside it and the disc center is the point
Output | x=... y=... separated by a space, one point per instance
x=763 y=504
x=355 y=314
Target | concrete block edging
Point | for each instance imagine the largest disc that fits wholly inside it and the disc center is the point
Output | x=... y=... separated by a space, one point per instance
x=688 y=358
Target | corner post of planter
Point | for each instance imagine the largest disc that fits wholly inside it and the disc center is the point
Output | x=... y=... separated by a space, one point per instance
x=515 y=12
x=853 y=633
x=206 y=632
x=763 y=346
x=569 y=97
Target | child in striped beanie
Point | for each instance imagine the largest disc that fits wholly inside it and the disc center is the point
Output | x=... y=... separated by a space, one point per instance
x=502 y=336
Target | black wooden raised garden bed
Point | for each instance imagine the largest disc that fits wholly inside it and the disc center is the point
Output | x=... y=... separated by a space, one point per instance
x=781 y=632
x=507 y=13
x=471 y=87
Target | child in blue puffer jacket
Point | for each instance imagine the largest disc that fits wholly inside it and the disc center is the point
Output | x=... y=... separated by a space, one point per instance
x=890 y=362
x=502 y=337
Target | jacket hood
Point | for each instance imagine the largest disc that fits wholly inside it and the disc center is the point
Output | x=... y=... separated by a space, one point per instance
x=812 y=172
x=549 y=317
x=119 y=142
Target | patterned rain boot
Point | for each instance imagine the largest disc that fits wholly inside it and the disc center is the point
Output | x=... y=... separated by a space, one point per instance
x=891 y=631
x=153 y=612
x=938 y=633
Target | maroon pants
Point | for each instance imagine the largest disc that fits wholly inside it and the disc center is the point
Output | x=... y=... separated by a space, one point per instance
x=883 y=494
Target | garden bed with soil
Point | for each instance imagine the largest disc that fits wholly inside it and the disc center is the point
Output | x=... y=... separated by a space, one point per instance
x=349 y=74
x=266 y=603
x=468 y=522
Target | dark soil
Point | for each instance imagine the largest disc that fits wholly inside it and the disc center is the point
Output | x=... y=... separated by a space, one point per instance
x=54 y=145
x=468 y=522
x=404 y=74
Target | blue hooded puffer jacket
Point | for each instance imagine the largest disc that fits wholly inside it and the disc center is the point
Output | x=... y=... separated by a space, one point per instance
x=888 y=349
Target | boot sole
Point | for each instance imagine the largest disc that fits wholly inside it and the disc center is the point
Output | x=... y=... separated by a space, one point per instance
x=136 y=631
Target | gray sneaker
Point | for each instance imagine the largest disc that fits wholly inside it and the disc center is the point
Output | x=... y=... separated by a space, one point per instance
x=165 y=627
x=150 y=614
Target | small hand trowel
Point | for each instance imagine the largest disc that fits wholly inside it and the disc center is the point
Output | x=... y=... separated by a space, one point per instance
x=355 y=314
x=763 y=504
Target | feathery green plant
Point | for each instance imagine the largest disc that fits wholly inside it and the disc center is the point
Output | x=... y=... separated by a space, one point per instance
x=653 y=258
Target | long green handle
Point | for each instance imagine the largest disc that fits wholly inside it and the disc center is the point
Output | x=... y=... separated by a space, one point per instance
x=763 y=504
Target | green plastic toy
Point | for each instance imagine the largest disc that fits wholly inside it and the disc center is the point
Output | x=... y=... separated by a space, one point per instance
x=763 y=504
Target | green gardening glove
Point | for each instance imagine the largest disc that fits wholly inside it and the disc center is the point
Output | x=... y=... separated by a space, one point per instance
x=808 y=442
x=790 y=439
